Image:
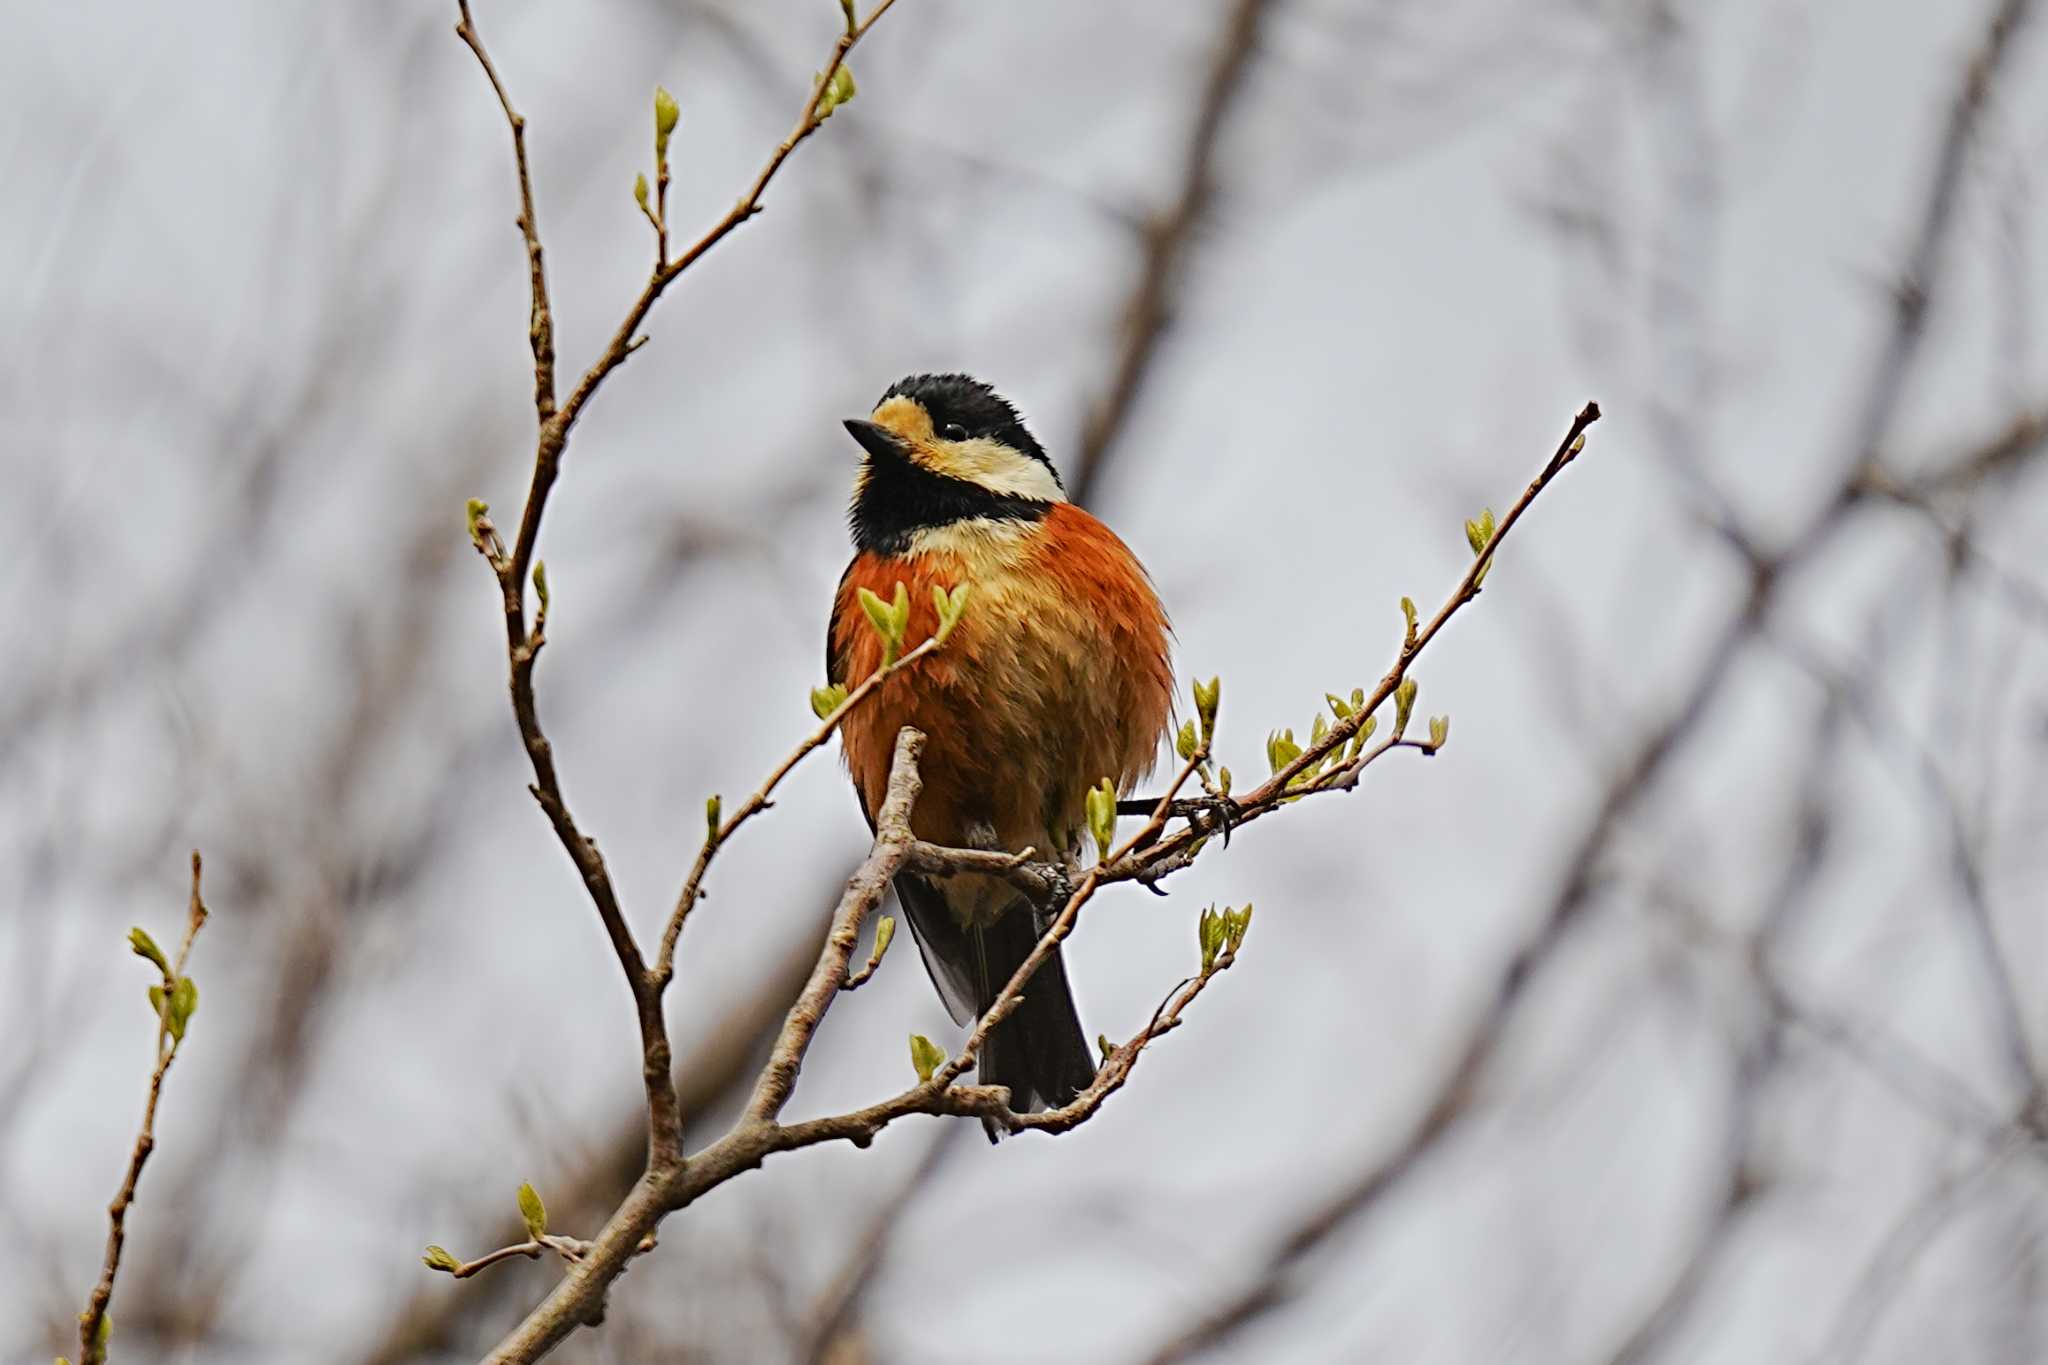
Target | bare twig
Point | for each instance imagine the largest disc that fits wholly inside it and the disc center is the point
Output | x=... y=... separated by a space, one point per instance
x=686 y=900
x=170 y=1031
x=541 y=326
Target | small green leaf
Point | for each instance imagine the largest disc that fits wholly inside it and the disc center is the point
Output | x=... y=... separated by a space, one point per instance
x=533 y=1211
x=1439 y=731
x=145 y=946
x=666 y=113
x=156 y=1001
x=949 y=606
x=1358 y=740
x=1210 y=932
x=1339 y=707
x=837 y=91
x=1404 y=705
x=925 y=1056
x=476 y=510
x=1102 y=1042
x=640 y=193
x=827 y=699
x=1408 y=613
x=184 y=1003
x=1281 y=749
x=876 y=610
x=883 y=617
x=1184 y=742
x=440 y=1258
x=714 y=808
x=899 y=609
x=884 y=933
x=1478 y=532
x=540 y=584
x=1207 y=698
x=1102 y=817
x=1223 y=782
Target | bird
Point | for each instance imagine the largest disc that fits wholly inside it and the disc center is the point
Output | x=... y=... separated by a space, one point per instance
x=1056 y=676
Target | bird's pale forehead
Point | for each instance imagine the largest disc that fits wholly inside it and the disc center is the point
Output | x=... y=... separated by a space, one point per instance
x=906 y=417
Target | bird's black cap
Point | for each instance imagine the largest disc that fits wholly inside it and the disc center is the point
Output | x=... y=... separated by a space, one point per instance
x=965 y=400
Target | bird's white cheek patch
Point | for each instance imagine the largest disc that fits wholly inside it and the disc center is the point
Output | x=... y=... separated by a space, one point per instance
x=997 y=468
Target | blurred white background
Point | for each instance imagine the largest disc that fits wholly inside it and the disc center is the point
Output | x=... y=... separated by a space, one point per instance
x=1772 y=1094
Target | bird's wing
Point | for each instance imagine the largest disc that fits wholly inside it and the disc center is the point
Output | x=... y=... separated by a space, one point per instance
x=952 y=955
x=836 y=661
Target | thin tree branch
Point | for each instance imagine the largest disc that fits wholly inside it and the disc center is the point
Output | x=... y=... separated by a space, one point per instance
x=1146 y=863
x=92 y=1323
x=686 y=900
x=667 y=1187
x=541 y=326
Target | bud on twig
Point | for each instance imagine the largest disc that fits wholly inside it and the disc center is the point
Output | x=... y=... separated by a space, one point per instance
x=827 y=699
x=839 y=90
x=1102 y=817
x=925 y=1056
x=145 y=946
x=889 y=619
x=1479 y=535
x=949 y=607
x=533 y=1211
x=1207 y=698
x=1404 y=705
x=665 y=115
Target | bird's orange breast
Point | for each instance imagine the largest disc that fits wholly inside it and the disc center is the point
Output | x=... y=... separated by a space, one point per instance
x=1056 y=677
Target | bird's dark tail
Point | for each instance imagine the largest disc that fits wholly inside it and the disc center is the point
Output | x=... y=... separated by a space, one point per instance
x=1039 y=1052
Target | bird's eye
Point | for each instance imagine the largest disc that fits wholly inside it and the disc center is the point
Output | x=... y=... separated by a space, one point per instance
x=953 y=431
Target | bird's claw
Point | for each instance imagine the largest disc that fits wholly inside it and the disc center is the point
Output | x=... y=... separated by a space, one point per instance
x=1059 y=889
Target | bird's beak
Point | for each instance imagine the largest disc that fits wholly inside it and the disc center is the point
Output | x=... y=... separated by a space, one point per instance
x=876 y=439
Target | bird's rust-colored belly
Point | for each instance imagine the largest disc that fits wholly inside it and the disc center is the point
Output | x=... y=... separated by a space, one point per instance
x=1056 y=678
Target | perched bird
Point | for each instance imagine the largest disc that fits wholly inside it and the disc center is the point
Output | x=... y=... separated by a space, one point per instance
x=1056 y=677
